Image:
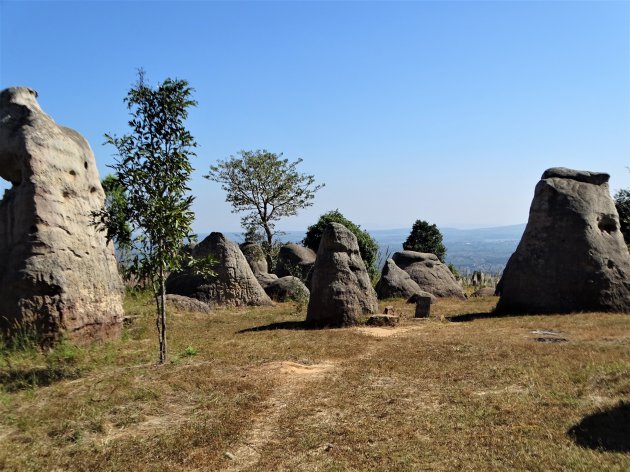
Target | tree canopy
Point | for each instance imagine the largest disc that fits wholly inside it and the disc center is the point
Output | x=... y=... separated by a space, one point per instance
x=367 y=245
x=425 y=237
x=265 y=187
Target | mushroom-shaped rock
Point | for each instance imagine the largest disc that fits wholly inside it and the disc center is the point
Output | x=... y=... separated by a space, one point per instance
x=233 y=284
x=572 y=256
x=429 y=273
x=340 y=289
x=58 y=274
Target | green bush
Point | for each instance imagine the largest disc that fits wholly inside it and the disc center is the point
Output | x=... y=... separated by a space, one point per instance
x=367 y=245
x=425 y=237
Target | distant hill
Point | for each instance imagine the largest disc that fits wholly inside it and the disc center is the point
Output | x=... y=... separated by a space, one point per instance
x=485 y=249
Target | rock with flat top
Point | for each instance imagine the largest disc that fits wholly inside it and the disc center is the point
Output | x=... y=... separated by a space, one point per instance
x=572 y=256
x=383 y=320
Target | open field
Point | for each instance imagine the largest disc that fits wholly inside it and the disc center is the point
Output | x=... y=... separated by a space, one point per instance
x=251 y=389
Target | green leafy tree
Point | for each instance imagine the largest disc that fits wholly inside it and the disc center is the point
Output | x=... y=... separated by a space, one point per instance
x=425 y=237
x=367 y=245
x=153 y=167
x=118 y=229
x=622 y=203
x=265 y=187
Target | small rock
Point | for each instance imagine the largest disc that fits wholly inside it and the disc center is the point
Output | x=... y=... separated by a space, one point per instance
x=383 y=320
x=229 y=455
x=328 y=447
x=389 y=310
x=423 y=307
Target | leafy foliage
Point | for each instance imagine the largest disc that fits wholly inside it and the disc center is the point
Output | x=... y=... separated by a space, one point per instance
x=425 y=237
x=151 y=209
x=622 y=203
x=264 y=186
x=367 y=245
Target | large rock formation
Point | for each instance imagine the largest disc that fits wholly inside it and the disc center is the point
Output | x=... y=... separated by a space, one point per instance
x=233 y=284
x=340 y=289
x=429 y=273
x=296 y=260
x=572 y=256
x=58 y=276
x=396 y=283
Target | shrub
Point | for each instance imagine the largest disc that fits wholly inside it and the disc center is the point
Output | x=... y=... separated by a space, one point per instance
x=425 y=237
x=367 y=245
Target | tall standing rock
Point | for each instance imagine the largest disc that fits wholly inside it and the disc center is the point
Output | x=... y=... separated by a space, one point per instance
x=572 y=256
x=340 y=288
x=58 y=275
x=255 y=258
x=233 y=284
x=429 y=273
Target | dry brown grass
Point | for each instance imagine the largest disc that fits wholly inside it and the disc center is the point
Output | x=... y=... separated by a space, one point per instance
x=483 y=394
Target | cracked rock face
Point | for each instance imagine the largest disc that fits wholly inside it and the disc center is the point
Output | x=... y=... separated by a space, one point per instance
x=341 y=290
x=572 y=256
x=57 y=273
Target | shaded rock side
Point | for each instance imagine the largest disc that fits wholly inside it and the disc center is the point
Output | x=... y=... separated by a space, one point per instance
x=340 y=288
x=233 y=284
x=58 y=275
x=429 y=273
x=572 y=256
x=296 y=260
x=182 y=303
x=396 y=283
x=255 y=257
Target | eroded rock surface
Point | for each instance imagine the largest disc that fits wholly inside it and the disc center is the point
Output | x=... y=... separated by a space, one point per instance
x=296 y=260
x=58 y=276
x=286 y=288
x=255 y=257
x=429 y=273
x=341 y=290
x=233 y=284
x=396 y=283
x=572 y=256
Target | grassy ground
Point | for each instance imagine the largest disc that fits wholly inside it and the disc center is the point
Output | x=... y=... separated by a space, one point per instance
x=466 y=392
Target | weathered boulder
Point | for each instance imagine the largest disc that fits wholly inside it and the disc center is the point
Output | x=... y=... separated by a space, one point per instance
x=286 y=288
x=383 y=320
x=58 y=275
x=396 y=283
x=340 y=289
x=572 y=256
x=296 y=260
x=429 y=273
x=182 y=303
x=255 y=257
x=233 y=284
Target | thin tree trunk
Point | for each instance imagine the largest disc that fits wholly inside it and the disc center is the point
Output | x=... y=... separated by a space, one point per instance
x=269 y=247
x=162 y=316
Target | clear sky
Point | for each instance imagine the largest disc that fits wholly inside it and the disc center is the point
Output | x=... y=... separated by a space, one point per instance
x=443 y=111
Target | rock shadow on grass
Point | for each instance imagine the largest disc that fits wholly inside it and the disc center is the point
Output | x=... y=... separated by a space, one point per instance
x=605 y=430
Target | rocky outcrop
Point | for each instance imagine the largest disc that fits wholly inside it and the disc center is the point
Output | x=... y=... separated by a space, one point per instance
x=429 y=273
x=340 y=289
x=233 y=284
x=572 y=256
x=296 y=260
x=58 y=275
x=396 y=283
x=255 y=257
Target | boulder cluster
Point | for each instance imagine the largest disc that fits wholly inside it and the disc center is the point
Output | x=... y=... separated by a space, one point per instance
x=58 y=274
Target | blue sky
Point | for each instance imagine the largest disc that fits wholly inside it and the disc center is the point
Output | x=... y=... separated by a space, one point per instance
x=443 y=111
